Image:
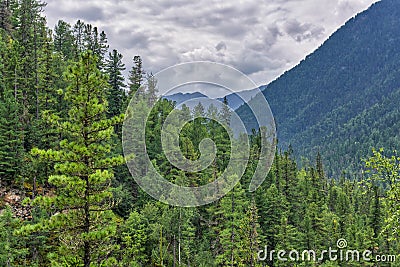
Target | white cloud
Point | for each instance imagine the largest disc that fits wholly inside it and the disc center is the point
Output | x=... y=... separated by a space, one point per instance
x=260 y=38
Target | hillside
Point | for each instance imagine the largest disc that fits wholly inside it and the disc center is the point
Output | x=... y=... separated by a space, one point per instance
x=343 y=99
x=80 y=182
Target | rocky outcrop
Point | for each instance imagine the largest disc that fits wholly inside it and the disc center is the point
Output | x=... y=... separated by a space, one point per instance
x=13 y=198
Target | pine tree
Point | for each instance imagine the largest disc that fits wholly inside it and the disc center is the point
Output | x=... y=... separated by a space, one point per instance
x=47 y=86
x=80 y=211
x=101 y=49
x=384 y=171
x=3 y=50
x=41 y=133
x=97 y=43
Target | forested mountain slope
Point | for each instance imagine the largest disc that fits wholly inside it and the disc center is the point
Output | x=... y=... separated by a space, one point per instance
x=342 y=100
x=68 y=199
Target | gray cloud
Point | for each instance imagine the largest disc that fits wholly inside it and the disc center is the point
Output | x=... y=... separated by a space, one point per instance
x=87 y=11
x=302 y=31
x=260 y=38
x=220 y=46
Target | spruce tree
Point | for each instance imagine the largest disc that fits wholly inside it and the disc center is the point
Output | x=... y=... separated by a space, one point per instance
x=78 y=33
x=136 y=75
x=114 y=69
x=64 y=39
x=11 y=150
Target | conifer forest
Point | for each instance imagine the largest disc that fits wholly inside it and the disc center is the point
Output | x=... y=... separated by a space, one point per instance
x=67 y=197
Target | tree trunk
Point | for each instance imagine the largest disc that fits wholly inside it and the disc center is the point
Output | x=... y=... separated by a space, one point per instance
x=86 y=256
x=174 y=251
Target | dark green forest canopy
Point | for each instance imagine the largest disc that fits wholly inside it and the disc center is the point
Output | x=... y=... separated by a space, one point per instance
x=62 y=94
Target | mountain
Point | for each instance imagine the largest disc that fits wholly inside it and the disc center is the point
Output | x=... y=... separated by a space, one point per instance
x=180 y=97
x=343 y=99
x=235 y=100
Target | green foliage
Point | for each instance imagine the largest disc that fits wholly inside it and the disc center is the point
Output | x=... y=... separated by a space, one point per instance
x=116 y=97
x=231 y=229
x=384 y=172
x=134 y=238
x=64 y=39
x=80 y=212
x=10 y=138
x=87 y=210
x=12 y=249
x=136 y=75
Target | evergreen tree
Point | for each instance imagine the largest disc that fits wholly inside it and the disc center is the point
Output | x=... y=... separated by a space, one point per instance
x=116 y=97
x=136 y=75
x=134 y=238
x=273 y=207
x=384 y=171
x=250 y=231
x=5 y=16
x=225 y=112
x=97 y=43
x=64 y=39
x=232 y=209
x=10 y=138
x=11 y=246
x=79 y=37
x=80 y=211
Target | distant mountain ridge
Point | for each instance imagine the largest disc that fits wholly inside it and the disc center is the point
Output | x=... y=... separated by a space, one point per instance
x=344 y=98
x=182 y=97
x=235 y=100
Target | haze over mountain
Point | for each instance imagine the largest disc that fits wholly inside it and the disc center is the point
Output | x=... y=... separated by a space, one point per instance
x=235 y=100
x=343 y=99
x=182 y=97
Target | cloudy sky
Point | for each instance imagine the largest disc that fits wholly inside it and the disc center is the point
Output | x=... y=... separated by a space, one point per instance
x=261 y=38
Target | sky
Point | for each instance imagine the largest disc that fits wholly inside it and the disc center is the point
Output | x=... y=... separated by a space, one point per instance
x=261 y=38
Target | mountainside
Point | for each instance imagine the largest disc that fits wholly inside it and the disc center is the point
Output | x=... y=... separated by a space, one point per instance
x=343 y=99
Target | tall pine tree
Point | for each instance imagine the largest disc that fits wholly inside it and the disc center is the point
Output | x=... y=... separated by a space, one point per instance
x=80 y=210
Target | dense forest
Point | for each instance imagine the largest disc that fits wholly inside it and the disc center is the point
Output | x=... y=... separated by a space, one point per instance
x=68 y=199
x=342 y=100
